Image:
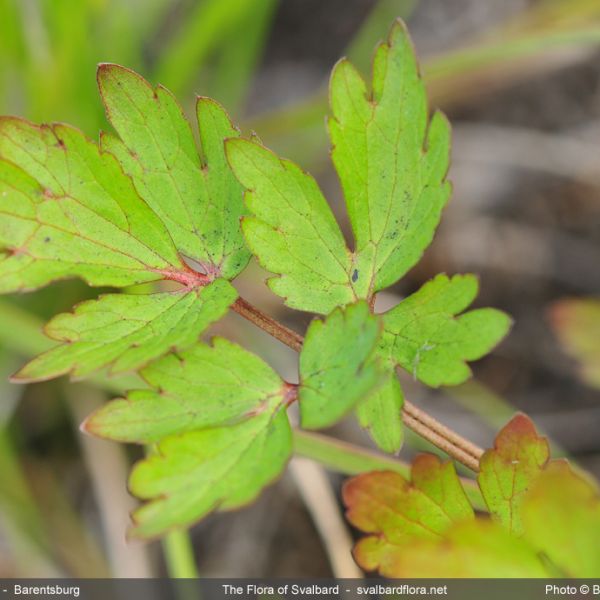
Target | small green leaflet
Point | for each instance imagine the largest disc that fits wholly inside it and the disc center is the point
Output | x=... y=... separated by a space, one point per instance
x=392 y=166
x=194 y=194
x=424 y=336
x=70 y=209
x=292 y=230
x=337 y=365
x=426 y=527
x=126 y=331
x=205 y=386
x=391 y=161
x=380 y=413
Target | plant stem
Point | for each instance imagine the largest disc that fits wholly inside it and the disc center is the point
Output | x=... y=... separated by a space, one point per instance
x=266 y=323
x=416 y=419
x=179 y=555
x=349 y=459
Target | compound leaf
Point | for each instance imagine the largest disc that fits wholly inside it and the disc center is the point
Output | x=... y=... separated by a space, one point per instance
x=195 y=195
x=561 y=517
x=424 y=336
x=380 y=413
x=126 y=331
x=222 y=468
x=508 y=470
x=545 y=517
x=576 y=322
x=205 y=386
x=337 y=365
x=292 y=230
x=68 y=210
x=391 y=160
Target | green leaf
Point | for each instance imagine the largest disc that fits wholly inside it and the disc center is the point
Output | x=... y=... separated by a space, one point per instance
x=68 y=210
x=205 y=386
x=195 y=195
x=380 y=413
x=561 y=517
x=397 y=511
x=391 y=160
x=392 y=164
x=198 y=472
x=127 y=331
x=424 y=336
x=576 y=322
x=471 y=549
x=292 y=230
x=337 y=365
x=508 y=470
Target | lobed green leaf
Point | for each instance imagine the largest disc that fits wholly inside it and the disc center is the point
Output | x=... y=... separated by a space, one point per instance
x=423 y=335
x=391 y=160
x=68 y=210
x=292 y=230
x=126 y=331
x=337 y=365
x=195 y=473
x=205 y=386
x=194 y=193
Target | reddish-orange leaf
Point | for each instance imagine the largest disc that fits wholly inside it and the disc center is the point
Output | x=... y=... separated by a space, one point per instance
x=397 y=511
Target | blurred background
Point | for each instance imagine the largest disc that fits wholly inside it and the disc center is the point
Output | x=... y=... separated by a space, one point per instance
x=520 y=81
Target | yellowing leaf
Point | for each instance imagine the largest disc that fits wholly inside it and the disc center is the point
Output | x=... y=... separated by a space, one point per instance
x=424 y=336
x=577 y=325
x=545 y=519
x=561 y=517
x=396 y=512
x=337 y=365
x=471 y=549
x=195 y=195
x=509 y=469
x=391 y=160
x=126 y=331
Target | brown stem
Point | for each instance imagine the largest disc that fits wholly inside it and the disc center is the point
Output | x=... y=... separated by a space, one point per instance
x=271 y=326
x=416 y=419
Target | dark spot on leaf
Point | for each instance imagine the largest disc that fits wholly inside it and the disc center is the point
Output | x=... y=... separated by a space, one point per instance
x=46 y=239
x=354 y=275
